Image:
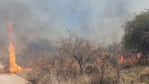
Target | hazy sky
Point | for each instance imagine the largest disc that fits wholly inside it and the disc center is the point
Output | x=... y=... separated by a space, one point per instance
x=99 y=20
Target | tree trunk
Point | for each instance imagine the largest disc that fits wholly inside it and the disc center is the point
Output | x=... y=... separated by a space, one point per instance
x=102 y=73
x=81 y=68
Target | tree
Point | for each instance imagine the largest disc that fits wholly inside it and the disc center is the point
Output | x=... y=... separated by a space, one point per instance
x=136 y=35
x=79 y=49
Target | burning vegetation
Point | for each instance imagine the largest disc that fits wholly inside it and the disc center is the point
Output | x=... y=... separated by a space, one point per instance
x=13 y=66
x=78 y=60
x=12 y=60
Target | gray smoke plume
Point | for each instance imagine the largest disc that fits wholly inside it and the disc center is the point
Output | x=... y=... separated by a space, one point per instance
x=99 y=20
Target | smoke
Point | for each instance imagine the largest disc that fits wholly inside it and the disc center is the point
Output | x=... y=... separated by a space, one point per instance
x=99 y=20
x=38 y=22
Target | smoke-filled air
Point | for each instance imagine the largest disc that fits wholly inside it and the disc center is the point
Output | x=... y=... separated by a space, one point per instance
x=74 y=41
x=100 y=20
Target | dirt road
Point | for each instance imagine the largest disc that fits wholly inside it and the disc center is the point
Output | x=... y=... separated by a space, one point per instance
x=11 y=79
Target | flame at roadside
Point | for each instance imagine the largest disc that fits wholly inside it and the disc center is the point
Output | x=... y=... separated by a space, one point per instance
x=12 y=61
x=13 y=66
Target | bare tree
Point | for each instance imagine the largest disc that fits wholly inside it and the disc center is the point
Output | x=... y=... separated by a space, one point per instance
x=79 y=49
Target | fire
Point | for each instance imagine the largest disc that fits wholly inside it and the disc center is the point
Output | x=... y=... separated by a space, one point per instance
x=13 y=67
x=121 y=59
x=132 y=58
x=12 y=61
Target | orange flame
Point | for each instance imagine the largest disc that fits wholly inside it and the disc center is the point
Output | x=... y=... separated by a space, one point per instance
x=13 y=66
x=121 y=59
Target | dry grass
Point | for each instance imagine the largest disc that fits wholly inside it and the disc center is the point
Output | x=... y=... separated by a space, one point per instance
x=127 y=76
x=133 y=75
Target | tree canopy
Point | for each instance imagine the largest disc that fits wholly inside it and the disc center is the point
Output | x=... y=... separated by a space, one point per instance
x=136 y=33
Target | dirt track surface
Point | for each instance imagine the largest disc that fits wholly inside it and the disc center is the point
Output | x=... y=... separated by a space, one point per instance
x=11 y=79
